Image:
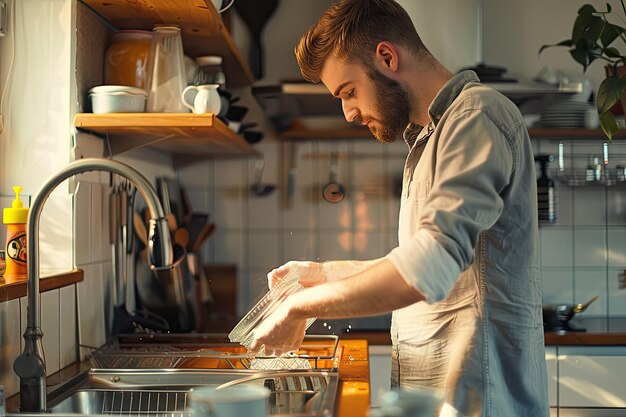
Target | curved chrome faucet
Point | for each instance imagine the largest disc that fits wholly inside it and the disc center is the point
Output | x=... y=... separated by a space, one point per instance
x=30 y=366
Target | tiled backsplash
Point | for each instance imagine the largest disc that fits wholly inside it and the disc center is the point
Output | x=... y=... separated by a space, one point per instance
x=582 y=254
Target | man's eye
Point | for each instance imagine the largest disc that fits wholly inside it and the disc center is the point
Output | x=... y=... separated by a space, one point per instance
x=350 y=93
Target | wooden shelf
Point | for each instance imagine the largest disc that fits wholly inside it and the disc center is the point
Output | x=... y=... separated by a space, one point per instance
x=181 y=134
x=571 y=133
x=364 y=133
x=202 y=29
x=18 y=289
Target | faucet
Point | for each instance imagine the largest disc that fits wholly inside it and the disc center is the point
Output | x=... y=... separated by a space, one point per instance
x=30 y=365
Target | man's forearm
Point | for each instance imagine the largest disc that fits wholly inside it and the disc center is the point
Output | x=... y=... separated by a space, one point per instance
x=377 y=289
x=338 y=270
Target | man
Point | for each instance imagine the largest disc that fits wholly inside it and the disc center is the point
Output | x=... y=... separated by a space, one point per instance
x=463 y=283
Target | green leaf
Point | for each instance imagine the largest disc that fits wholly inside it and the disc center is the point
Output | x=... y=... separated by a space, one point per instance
x=612 y=52
x=593 y=30
x=610 y=33
x=583 y=54
x=609 y=124
x=566 y=42
x=610 y=92
x=584 y=18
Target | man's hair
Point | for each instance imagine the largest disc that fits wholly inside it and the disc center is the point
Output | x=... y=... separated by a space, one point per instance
x=351 y=29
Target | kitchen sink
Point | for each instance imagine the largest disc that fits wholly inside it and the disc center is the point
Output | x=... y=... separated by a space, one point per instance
x=155 y=392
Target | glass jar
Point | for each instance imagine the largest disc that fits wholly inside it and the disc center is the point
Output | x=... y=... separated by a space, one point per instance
x=166 y=71
x=126 y=59
x=209 y=71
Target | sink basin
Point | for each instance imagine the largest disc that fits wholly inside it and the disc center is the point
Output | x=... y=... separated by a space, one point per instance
x=153 y=392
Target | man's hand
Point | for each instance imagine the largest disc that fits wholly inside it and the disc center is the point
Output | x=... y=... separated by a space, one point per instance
x=311 y=273
x=281 y=332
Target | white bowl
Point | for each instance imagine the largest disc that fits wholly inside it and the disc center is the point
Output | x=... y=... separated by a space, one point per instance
x=119 y=102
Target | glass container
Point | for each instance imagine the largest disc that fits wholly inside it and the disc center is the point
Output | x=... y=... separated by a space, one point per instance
x=126 y=59
x=166 y=71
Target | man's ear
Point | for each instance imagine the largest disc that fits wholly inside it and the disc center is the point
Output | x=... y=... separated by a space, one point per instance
x=386 y=57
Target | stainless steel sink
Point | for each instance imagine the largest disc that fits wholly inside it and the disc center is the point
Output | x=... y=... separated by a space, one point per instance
x=164 y=392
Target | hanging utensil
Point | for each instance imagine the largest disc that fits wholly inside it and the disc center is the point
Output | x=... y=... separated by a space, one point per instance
x=130 y=298
x=255 y=13
x=257 y=187
x=333 y=191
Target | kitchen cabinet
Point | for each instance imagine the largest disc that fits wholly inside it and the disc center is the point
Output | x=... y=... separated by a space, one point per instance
x=203 y=33
x=592 y=377
x=553 y=375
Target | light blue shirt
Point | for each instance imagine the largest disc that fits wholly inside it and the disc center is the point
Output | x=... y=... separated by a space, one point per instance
x=468 y=242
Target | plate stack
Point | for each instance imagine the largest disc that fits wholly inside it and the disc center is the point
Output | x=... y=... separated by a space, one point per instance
x=565 y=114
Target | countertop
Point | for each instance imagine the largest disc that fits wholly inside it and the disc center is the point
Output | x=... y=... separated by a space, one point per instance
x=598 y=332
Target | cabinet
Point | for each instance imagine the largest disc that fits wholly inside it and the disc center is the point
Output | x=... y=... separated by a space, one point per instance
x=203 y=33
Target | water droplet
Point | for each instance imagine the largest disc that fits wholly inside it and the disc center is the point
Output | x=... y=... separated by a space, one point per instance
x=325 y=324
x=347 y=330
x=329 y=327
x=349 y=326
x=351 y=357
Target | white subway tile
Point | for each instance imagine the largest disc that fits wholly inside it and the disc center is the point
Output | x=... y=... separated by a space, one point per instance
x=10 y=337
x=256 y=283
x=100 y=241
x=230 y=248
x=195 y=175
x=199 y=199
x=336 y=216
x=50 y=326
x=302 y=214
x=556 y=246
x=589 y=206
x=590 y=283
x=616 y=208
x=82 y=214
x=229 y=172
x=299 y=246
x=617 y=292
x=263 y=250
x=369 y=208
x=67 y=352
x=264 y=211
x=368 y=161
x=564 y=205
x=369 y=244
x=230 y=202
x=336 y=245
x=91 y=308
x=589 y=247
x=617 y=247
x=557 y=286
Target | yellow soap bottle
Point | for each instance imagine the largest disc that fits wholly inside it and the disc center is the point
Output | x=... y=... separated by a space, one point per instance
x=15 y=218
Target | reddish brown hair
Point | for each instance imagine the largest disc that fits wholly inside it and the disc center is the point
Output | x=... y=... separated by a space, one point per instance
x=351 y=29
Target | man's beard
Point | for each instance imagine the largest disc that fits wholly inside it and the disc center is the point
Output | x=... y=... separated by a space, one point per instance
x=393 y=106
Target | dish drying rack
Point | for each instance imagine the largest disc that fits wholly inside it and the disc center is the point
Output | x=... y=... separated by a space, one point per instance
x=316 y=352
x=585 y=164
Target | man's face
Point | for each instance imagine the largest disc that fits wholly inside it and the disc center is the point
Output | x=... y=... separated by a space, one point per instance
x=368 y=98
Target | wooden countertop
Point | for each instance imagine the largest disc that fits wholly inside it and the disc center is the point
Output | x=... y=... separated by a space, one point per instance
x=598 y=332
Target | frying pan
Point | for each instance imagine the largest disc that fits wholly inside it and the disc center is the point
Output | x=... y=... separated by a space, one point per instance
x=255 y=13
x=557 y=317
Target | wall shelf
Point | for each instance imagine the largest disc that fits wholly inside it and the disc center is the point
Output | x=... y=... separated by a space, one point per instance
x=202 y=29
x=181 y=134
x=300 y=133
x=16 y=290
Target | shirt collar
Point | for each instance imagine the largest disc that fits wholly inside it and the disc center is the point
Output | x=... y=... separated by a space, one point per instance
x=440 y=104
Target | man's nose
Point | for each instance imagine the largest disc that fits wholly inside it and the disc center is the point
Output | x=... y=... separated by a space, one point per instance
x=350 y=112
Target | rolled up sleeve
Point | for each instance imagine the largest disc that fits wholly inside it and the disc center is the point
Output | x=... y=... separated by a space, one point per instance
x=472 y=168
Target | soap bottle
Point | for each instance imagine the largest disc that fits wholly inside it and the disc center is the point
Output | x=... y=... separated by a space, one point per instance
x=15 y=218
x=546 y=199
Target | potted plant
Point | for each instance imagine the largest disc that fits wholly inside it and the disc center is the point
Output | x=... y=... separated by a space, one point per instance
x=595 y=37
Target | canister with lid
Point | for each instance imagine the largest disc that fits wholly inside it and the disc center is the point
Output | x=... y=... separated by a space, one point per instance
x=209 y=71
x=126 y=59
